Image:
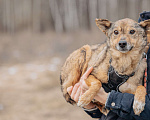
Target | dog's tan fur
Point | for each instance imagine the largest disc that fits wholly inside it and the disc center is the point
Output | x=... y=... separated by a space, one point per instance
x=99 y=55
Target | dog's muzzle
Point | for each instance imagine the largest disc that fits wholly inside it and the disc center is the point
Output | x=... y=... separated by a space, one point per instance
x=123 y=46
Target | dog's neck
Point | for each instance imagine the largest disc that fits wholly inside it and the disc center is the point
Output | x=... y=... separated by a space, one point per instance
x=125 y=63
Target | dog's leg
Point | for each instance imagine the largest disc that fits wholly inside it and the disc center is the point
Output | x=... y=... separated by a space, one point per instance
x=139 y=100
x=94 y=86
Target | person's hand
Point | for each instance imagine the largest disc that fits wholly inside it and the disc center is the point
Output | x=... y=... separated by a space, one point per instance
x=79 y=88
x=101 y=95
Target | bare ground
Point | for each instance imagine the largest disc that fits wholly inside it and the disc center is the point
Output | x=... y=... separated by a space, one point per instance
x=29 y=75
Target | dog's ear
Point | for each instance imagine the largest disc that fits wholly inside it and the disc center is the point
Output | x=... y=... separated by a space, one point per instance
x=103 y=24
x=146 y=25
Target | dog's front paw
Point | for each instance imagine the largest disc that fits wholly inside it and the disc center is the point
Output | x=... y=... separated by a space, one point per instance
x=138 y=106
x=139 y=100
x=84 y=100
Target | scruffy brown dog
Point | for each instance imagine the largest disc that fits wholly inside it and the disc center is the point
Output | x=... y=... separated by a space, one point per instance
x=119 y=60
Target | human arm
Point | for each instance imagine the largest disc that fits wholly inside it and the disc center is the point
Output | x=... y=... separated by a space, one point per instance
x=122 y=105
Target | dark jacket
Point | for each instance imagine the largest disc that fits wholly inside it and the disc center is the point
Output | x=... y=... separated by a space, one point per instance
x=122 y=107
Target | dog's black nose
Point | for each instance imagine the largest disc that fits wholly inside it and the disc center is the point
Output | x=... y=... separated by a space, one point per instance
x=122 y=43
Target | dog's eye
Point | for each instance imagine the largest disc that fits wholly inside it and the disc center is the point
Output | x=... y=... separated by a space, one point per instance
x=116 y=32
x=132 y=31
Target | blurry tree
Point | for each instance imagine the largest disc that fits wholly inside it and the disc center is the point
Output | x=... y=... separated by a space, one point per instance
x=64 y=15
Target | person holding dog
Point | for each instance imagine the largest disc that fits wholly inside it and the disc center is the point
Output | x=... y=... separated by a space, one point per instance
x=119 y=104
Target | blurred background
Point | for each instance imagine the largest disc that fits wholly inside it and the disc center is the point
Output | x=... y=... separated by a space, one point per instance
x=36 y=36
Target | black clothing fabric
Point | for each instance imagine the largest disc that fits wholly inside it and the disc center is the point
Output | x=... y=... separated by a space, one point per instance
x=115 y=80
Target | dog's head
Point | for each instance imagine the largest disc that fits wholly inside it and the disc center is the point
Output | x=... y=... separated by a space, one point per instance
x=126 y=34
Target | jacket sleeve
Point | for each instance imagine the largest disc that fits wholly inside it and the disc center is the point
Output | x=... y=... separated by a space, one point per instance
x=122 y=105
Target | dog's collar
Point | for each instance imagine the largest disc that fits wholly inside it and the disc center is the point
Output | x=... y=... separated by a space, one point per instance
x=111 y=68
